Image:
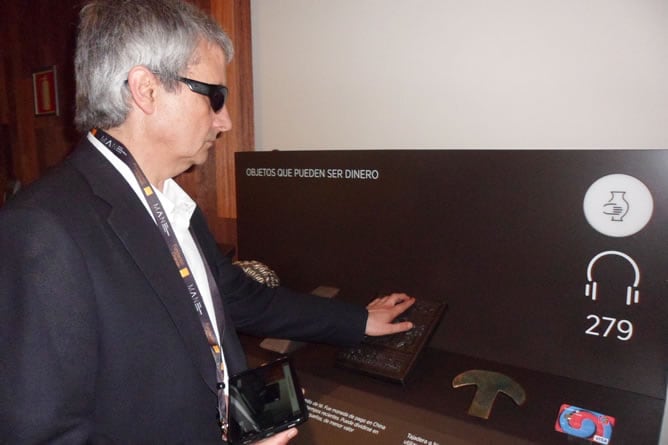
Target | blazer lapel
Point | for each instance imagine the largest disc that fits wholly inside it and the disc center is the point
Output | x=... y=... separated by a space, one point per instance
x=134 y=227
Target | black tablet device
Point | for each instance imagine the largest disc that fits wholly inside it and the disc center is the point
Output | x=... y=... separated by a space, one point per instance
x=265 y=401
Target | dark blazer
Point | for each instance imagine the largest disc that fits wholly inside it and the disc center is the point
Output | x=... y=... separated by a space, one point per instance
x=99 y=339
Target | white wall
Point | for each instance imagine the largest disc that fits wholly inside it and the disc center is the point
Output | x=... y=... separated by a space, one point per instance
x=332 y=74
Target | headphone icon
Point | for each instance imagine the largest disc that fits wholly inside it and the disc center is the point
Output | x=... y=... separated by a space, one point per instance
x=632 y=293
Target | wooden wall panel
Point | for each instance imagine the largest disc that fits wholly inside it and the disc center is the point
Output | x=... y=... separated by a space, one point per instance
x=213 y=184
x=40 y=34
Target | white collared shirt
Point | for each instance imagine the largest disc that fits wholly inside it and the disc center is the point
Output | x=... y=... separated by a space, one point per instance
x=179 y=208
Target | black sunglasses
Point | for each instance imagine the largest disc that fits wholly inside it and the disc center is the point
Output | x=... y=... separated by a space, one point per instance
x=216 y=93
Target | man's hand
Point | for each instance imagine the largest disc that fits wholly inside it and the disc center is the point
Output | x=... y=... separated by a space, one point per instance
x=281 y=438
x=383 y=311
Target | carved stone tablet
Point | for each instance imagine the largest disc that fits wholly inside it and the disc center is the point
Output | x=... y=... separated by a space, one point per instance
x=393 y=356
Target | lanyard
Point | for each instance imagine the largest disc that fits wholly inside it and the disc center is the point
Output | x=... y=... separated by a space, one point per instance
x=179 y=259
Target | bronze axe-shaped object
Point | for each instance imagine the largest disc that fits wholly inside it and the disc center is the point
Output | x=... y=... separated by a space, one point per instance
x=489 y=384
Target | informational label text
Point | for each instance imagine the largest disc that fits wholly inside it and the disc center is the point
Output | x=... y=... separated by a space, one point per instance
x=314 y=173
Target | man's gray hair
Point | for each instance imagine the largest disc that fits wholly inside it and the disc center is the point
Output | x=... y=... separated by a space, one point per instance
x=117 y=35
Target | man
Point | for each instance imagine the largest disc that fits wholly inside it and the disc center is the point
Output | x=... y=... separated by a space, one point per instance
x=111 y=283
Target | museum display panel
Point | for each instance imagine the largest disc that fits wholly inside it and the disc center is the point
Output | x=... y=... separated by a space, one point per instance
x=551 y=264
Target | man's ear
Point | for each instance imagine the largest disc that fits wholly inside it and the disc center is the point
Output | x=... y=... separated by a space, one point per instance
x=143 y=84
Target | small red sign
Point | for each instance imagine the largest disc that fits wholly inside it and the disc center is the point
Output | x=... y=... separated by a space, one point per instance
x=44 y=89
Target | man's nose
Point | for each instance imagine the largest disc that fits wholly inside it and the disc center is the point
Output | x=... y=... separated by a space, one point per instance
x=222 y=120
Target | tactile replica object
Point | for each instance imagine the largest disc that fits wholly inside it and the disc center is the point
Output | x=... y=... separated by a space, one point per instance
x=392 y=357
x=489 y=384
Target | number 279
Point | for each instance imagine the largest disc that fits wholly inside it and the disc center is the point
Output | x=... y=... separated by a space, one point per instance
x=604 y=326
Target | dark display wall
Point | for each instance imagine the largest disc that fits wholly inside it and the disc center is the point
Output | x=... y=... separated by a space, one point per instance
x=551 y=261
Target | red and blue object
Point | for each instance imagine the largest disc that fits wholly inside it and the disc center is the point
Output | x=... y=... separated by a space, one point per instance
x=585 y=424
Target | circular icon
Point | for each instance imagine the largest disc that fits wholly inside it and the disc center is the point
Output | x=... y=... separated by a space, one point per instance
x=618 y=205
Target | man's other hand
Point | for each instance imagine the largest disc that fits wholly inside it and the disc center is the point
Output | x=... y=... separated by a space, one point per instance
x=281 y=438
